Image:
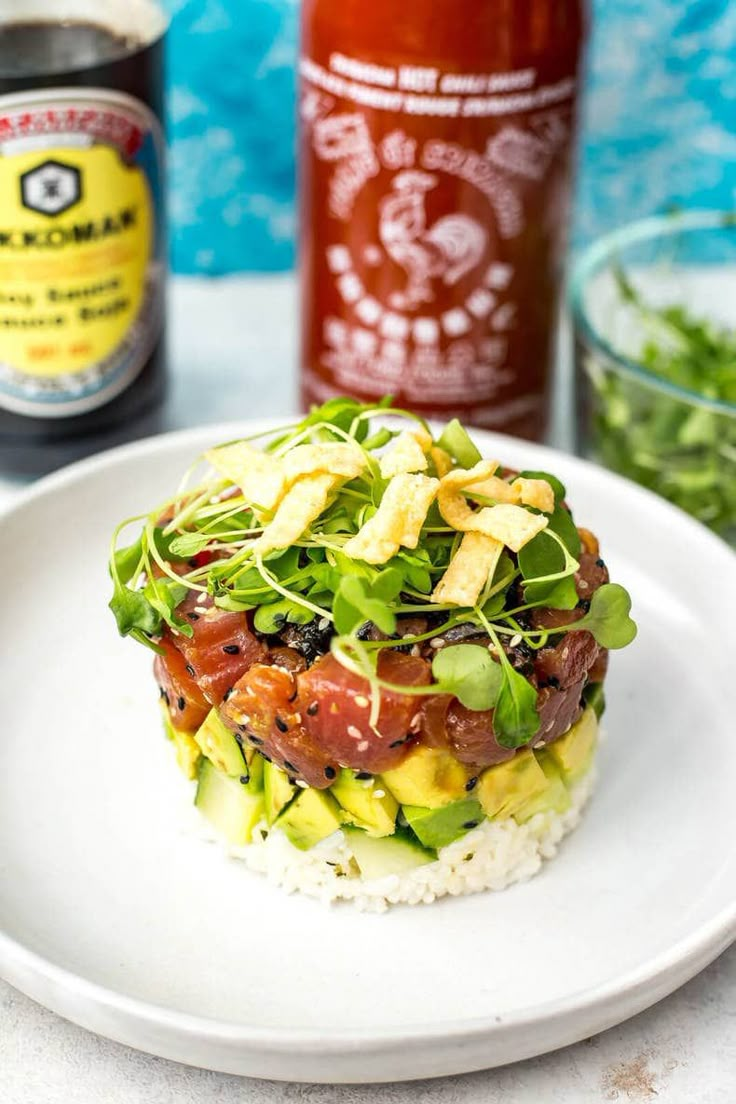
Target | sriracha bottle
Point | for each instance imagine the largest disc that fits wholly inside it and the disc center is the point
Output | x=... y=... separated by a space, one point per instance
x=436 y=149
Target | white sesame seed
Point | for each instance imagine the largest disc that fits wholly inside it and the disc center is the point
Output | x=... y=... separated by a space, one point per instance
x=437 y=642
x=363 y=745
x=416 y=651
x=515 y=641
x=355 y=733
x=297 y=718
x=361 y=701
x=250 y=691
x=323 y=623
x=582 y=584
x=302 y=784
x=379 y=793
x=565 y=654
x=415 y=721
x=202 y=609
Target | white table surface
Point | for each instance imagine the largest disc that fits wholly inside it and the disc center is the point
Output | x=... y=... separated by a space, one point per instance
x=233 y=347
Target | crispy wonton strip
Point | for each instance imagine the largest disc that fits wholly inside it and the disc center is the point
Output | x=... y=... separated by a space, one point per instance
x=332 y=457
x=535 y=492
x=398 y=521
x=513 y=525
x=406 y=454
x=258 y=474
x=469 y=570
x=299 y=507
x=442 y=460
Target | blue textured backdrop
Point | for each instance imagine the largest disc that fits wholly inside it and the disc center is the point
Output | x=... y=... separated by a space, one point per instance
x=659 y=122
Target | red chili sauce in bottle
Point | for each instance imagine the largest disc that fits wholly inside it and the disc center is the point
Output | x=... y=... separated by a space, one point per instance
x=436 y=149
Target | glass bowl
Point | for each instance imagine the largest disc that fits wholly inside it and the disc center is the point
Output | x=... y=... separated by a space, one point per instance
x=677 y=440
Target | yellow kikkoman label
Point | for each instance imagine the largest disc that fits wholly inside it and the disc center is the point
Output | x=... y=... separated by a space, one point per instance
x=76 y=240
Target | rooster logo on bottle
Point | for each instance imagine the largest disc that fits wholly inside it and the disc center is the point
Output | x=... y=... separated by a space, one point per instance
x=448 y=249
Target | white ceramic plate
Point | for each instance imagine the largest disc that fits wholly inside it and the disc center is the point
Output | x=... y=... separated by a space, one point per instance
x=113 y=917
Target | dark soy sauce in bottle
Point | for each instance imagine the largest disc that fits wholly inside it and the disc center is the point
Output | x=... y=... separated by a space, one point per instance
x=82 y=234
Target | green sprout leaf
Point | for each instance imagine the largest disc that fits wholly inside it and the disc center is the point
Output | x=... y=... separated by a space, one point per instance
x=608 y=617
x=548 y=570
x=272 y=618
x=133 y=611
x=468 y=672
x=127 y=560
x=456 y=441
x=515 y=718
x=355 y=604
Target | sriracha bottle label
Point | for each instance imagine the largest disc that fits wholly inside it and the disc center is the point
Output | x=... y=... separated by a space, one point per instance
x=434 y=203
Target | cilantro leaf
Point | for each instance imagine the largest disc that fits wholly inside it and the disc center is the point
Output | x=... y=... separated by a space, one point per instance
x=468 y=672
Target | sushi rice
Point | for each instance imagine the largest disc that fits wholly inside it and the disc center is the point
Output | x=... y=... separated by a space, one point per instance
x=490 y=857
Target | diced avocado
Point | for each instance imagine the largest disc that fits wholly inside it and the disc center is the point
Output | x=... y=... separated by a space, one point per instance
x=429 y=777
x=554 y=798
x=595 y=698
x=187 y=750
x=438 y=827
x=573 y=752
x=503 y=789
x=218 y=743
x=311 y=817
x=232 y=808
x=376 y=858
x=366 y=803
x=277 y=789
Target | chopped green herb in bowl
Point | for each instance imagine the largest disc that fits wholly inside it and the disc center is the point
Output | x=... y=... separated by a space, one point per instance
x=655 y=318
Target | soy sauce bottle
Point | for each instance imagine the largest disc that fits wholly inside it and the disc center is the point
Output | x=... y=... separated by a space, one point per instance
x=82 y=237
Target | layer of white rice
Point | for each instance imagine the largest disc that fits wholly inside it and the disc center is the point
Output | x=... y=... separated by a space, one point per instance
x=491 y=856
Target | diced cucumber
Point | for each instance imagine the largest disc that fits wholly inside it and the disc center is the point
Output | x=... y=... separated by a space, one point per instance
x=232 y=807
x=376 y=858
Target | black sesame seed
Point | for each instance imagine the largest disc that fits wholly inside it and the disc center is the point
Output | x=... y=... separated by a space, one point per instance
x=190 y=670
x=397 y=743
x=193 y=616
x=228 y=693
x=289 y=766
x=254 y=739
x=281 y=724
x=181 y=703
x=584 y=604
x=231 y=649
x=554 y=682
x=245 y=779
x=471 y=784
x=600 y=563
x=165 y=696
x=471 y=824
x=363 y=776
x=312 y=708
x=330 y=772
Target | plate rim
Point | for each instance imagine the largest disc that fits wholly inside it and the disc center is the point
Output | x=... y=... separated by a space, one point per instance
x=673 y=966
